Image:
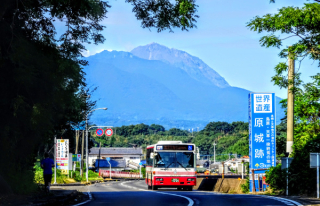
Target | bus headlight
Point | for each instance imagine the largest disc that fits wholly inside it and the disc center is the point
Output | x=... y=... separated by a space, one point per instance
x=159 y=179
x=190 y=179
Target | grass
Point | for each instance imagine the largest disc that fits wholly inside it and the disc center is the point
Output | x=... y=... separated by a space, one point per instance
x=63 y=178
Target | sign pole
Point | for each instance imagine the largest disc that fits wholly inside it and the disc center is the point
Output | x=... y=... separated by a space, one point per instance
x=242 y=168
x=317 y=175
x=87 y=147
x=253 y=182
x=287 y=177
x=110 y=169
x=55 y=160
x=140 y=171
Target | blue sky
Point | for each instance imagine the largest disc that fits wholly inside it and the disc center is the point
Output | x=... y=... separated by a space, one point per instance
x=221 y=40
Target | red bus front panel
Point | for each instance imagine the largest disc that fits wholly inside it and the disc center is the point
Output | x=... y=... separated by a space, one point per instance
x=174 y=181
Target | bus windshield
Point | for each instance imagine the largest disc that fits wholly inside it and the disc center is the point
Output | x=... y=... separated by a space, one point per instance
x=174 y=160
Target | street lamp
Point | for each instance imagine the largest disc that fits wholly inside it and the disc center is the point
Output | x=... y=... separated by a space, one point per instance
x=87 y=159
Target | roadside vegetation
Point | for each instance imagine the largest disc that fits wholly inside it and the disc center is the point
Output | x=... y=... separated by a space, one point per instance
x=43 y=89
x=229 y=137
x=74 y=176
x=301 y=25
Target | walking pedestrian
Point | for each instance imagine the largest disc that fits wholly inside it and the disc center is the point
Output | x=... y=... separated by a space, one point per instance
x=47 y=164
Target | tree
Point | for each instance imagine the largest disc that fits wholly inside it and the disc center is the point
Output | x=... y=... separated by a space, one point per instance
x=156 y=128
x=42 y=81
x=140 y=129
x=177 y=132
x=304 y=24
x=294 y=22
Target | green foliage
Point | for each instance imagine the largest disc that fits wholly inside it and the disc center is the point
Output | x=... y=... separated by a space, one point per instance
x=304 y=24
x=295 y=22
x=302 y=177
x=276 y=178
x=38 y=174
x=43 y=92
x=230 y=138
x=245 y=188
x=143 y=171
x=165 y=14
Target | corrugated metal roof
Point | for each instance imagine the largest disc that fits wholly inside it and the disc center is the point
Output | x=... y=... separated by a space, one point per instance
x=114 y=164
x=116 y=151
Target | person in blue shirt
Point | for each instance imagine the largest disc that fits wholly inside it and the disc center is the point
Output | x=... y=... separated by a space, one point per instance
x=47 y=164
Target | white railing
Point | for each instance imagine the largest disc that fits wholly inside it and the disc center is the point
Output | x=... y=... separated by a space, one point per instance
x=118 y=174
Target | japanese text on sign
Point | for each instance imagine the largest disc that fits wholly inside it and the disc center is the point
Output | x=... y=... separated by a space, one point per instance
x=62 y=154
x=262 y=144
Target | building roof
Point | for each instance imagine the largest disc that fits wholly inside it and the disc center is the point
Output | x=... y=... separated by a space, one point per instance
x=114 y=164
x=116 y=151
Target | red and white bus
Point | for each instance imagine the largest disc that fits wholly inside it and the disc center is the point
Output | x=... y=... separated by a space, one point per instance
x=171 y=164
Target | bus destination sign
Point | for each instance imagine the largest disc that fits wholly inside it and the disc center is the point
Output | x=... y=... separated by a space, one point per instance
x=175 y=147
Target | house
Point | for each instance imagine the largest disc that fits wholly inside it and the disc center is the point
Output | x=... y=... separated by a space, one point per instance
x=122 y=158
x=235 y=165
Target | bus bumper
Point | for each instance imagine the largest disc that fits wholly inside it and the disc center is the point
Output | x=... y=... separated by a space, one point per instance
x=174 y=181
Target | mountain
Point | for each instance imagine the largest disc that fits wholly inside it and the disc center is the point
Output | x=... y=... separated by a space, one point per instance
x=192 y=65
x=155 y=84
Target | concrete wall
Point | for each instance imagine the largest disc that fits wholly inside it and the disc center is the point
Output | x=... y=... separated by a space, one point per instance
x=226 y=185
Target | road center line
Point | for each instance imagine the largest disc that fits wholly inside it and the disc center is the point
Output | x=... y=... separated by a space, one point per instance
x=189 y=199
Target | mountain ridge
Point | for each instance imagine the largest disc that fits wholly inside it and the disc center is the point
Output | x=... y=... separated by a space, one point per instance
x=137 y=90
x=194 y=66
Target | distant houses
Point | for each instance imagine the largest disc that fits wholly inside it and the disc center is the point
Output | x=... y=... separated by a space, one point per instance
x=121 y=158
x=234 y=165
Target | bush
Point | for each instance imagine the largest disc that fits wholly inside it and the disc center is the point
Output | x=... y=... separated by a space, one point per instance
x=276 y=178
x=245 y=188
x=38 y=174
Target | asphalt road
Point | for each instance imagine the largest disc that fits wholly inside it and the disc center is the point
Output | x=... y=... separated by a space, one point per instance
x=135 y=193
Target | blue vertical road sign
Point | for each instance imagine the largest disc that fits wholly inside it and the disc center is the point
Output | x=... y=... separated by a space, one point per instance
x=262 y=133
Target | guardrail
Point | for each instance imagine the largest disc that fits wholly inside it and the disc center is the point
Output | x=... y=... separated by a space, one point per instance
x=118 y=174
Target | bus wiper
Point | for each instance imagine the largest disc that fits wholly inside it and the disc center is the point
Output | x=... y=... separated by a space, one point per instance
x=168 y=165
x=182 y=165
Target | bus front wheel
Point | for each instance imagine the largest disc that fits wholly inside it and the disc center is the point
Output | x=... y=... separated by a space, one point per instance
x=154 y=187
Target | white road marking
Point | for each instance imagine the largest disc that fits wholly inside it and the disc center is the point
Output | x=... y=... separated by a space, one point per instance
x=280 y=199
x=90 y=198
x=284 y=200
x=189 y=199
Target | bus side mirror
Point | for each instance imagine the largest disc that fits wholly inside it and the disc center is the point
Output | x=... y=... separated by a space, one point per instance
x=151 y=155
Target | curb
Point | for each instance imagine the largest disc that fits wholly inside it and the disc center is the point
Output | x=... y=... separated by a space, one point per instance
x=74 y=184
x=81 y=203
x=78 y=183
x=281 y=198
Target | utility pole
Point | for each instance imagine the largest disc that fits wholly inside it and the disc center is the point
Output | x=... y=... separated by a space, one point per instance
x=99 y=158
x=77 y=143
x=290 y=103
x=192 y=131
x=77 y=140
x=214 y=152
x=82 y=152
x=55 y=160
